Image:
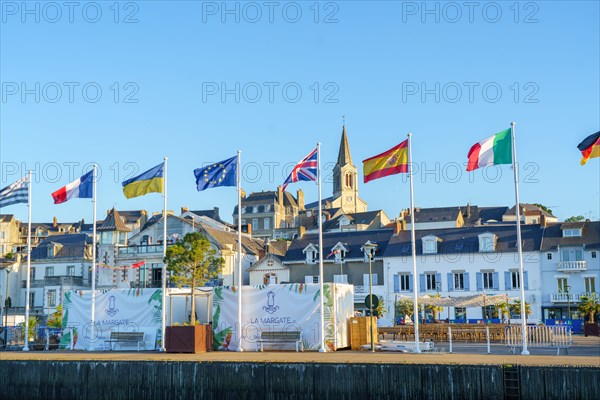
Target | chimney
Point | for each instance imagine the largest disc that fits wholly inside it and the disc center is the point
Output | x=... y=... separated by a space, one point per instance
x=247 y=229
x=543 y=221
x=280 y=195
x=300 y=196
x=301 y=231
x=54 y=222
x=184 y=210
x=216 y=212
x=468 y=210
x=399 y=226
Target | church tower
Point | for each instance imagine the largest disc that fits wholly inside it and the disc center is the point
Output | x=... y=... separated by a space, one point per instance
x=345 y=181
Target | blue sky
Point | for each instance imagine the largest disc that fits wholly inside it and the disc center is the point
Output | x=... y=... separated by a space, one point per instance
x=449 y=74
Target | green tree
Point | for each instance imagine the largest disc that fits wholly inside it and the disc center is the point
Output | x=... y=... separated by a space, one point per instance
x=589 y=307
x=193 y=262
x=405 y=307
x=575 y=218
x=515 y=308
x=55 y=319
x=543 y=207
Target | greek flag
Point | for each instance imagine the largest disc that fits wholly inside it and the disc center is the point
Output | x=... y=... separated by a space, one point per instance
x=15 y=193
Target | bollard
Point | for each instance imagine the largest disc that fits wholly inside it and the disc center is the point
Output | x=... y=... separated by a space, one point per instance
x=47 y=339
x=450 y=339
x=487 y=334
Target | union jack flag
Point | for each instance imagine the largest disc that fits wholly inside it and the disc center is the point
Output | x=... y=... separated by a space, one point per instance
x=305 y=170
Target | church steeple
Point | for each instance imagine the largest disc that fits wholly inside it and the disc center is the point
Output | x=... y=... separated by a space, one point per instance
x=344 y=156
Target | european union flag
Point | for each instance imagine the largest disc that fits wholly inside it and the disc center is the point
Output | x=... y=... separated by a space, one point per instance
x=222 y=173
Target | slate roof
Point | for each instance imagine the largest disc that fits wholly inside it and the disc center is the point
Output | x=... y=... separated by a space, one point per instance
x=315 y=204
x=437 y=214
x=590 y=235
x=6 y=217
x=70 y=246
x=466 y=239
x=113 y=222
x=363 y=218
x=270 y=197
x=354 y=240
x=528 y=208
x=344 y=156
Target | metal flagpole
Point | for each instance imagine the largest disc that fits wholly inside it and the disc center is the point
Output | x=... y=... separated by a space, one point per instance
x=519 y=244
x=322 y=349
x=239 y=261
x=164 y=267
x=93 y=315
x=413 y=245
x=26 y=346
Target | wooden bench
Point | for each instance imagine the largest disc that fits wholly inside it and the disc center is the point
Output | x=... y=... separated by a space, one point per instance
x=550 y=337
x=127 y=337
x=282 y=337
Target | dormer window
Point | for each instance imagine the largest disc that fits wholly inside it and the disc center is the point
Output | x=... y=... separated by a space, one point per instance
x=340 y=250
x=487 y=242
x=312 y=254
x=430 y=244
x=369 y=250
x=571 y=232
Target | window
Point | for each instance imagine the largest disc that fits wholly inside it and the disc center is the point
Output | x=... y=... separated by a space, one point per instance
x=267 y=223
x=31 y=299
x=70 y=270
x=487 y=242
x=459 y=281
x=254 y=224
x=51 y=298
x=549 y=256
x=572 y=255
x=340 y=279
x=366 y=280
x=270 y=279
x=243 y=221
x=488 y=280
x=460 y=313
x=404 y=282
x=106 y=238
x=430 y=282
x=590 y=284
x=489 y=312
x=515 y=282
x=562 y=284
x=571 y=232
x=312 y=256
x=32 y=274
x=311 y=279
x=49 y=271
x=429 y=246
x=594 y=254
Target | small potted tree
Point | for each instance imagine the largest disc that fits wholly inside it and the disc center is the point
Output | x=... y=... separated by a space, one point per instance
x=589 y=307
x=191 y=263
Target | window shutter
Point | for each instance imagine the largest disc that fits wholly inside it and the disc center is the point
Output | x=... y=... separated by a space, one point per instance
x=466 y=281
x=422 y=285
x=366 y=280
x=526 y=279
x=438 y=280
x=496 y=281
x=479 y=279
x=450 y=282
x=507 y=285
x=375 y=280
x=410 y=282
x=396 y=283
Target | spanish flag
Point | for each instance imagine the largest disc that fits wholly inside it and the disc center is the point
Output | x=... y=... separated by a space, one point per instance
x=151 y=181
x=393 y=161
x=590 y=147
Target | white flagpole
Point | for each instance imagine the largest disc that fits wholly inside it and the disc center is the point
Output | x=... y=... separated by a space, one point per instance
x=413 y=246
x=519 y=243
x=239 y=260
x=30 y=181
x=322 y=349
x=164 y=267
x=93 y=316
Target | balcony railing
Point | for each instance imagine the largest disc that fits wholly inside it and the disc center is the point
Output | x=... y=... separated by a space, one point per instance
x=64 y=281
x=144 y=249
x=571 y=297
x=571 y=266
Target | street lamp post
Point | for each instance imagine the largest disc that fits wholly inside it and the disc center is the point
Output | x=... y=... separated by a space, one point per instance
x=568 y=301
x=370 y=248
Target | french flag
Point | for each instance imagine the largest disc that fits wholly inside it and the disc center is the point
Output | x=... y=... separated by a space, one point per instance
x=81 y=188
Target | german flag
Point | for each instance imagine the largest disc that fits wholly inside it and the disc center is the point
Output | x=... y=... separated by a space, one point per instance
x=590 y=147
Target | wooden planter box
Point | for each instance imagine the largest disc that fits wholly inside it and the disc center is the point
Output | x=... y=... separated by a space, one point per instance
x=189 y=339
x=591 y=329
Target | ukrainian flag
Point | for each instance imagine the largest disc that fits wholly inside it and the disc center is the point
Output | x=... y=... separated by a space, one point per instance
x=151 y=181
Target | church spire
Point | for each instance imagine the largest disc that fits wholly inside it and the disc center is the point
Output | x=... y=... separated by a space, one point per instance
x=344 y=156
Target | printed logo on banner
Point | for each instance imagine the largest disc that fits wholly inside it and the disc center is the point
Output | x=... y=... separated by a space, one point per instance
x=271 y=307
x=112 y=310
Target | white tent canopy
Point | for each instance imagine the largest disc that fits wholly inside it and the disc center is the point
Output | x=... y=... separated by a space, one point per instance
x=480 y=300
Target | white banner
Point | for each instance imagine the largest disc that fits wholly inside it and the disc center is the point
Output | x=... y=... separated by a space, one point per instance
x=286 y=307
x=128 y=310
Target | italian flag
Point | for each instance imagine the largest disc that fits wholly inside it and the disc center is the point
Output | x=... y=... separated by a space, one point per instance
x=491 y=151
